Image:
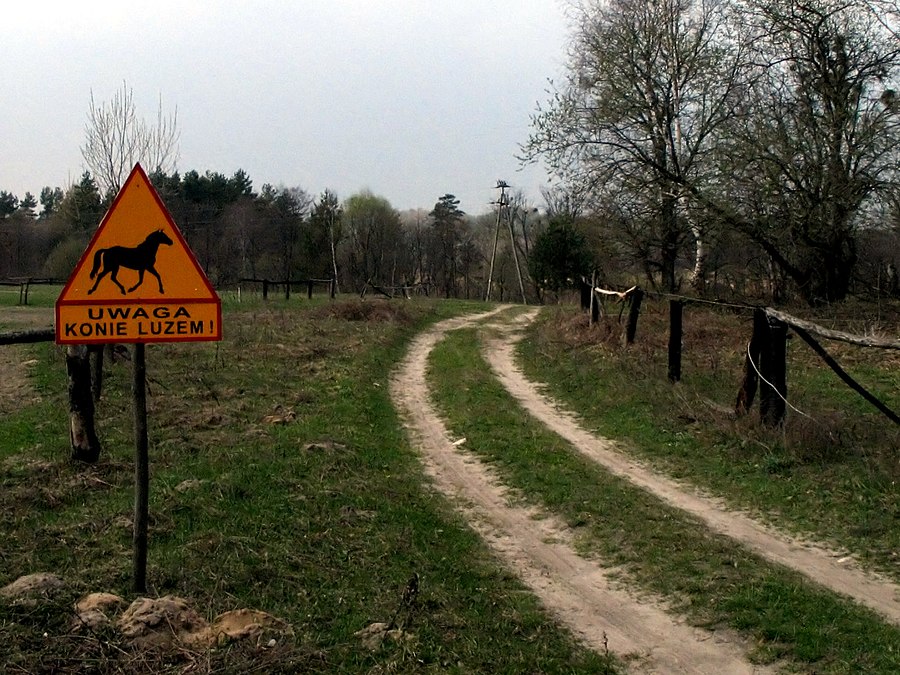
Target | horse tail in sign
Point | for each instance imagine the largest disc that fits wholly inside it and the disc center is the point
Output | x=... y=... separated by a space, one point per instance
x=98 y=259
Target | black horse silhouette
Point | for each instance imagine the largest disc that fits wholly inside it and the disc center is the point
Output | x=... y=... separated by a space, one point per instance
x=141 y=258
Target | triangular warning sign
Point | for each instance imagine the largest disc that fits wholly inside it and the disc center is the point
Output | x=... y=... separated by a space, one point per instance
x=138 y=280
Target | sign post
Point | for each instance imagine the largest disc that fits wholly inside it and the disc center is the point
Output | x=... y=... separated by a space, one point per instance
x=141 y=469
x=138 y=282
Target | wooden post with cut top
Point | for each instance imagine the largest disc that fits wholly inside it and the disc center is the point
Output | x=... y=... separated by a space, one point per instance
x=676 y=308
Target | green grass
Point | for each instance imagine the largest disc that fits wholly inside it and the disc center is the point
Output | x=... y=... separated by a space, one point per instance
x=709 y=578
x=834 y=477
x=39 y=295
x=319 y=521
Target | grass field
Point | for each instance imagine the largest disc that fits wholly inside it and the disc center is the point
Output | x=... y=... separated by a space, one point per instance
x=39 y=295
x=281 y=480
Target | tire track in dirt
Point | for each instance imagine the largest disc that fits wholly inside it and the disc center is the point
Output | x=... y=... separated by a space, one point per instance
x=539 y=549
x=817 y=563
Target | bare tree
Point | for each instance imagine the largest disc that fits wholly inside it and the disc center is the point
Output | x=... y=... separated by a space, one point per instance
x=818 y=142
x=116 y=138
x=777 y=119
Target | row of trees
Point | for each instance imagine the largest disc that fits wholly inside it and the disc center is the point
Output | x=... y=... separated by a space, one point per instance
x=702 y=129
x=284 y=234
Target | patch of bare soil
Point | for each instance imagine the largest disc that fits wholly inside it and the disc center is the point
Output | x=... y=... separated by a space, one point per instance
x=15 y=388
x=539 y=549
x=831 y=569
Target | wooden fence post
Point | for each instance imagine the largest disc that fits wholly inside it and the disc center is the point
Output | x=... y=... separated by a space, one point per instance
x=584 y=294
x=333 y=287
x=675 y=337
x=637 y=295
x=773 y=392
x=265 y=289
x=752 y=359
x=309 y=285
x=82 y=433
x=287 y=289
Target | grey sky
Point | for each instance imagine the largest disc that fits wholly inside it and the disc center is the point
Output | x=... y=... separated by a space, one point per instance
x=411 y=99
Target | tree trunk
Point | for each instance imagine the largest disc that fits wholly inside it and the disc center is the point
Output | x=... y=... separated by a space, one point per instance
x=698 y=276
x=334 y=267
x=773 y=391
x=831 y=271
x=670 y=238
x=82 y=434
x=676 y=308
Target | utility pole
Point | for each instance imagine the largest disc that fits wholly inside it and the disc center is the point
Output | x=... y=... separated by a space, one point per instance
x=502 y=186
x=334 y=270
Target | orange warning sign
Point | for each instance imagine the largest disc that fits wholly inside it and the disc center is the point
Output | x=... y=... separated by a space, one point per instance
x=138 y=281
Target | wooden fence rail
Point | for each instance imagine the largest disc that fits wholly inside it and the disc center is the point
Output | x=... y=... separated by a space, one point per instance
x=27 y=336
x=288 y=285
x=391 y=291
x=25 y=283
x=765 y=363
x=804 y=329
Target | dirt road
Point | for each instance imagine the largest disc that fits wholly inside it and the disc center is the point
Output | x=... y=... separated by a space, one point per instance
x=833 y=570
x=539 y=549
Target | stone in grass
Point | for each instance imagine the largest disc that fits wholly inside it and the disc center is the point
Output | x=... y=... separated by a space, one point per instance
x=165 y=621
x=188 y=485
x=243 y=624
x=324 y=446
x=28 y=589
x=161 y=622
x=93 y=610
x=375 y=633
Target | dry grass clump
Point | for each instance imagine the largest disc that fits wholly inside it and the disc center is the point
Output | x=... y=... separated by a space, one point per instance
x=370 y=310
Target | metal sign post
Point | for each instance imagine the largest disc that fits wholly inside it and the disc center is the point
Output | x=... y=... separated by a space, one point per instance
x=138 y=282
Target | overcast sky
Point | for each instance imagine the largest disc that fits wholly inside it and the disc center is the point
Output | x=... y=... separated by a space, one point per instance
x=408 y=98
